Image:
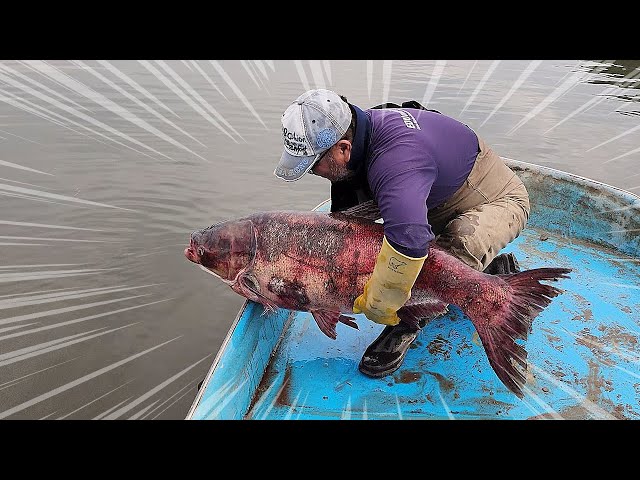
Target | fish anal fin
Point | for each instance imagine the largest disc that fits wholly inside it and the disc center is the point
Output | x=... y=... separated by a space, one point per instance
x=413 y=314
x=327 y=321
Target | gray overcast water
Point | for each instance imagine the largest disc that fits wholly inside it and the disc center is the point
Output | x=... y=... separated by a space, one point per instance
x=107 y=167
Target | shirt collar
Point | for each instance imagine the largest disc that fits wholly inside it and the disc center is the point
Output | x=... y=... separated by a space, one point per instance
x=360 y=143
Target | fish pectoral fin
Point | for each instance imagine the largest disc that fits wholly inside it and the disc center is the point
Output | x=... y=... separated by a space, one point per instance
x=413 y=314
x=327 y=321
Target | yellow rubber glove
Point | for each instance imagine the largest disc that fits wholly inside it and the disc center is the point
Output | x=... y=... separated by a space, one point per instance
x=389 y=286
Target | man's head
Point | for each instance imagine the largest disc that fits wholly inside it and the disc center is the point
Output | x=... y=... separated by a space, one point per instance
x=316 y=137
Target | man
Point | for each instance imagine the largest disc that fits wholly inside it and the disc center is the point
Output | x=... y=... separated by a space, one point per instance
x=433 y=180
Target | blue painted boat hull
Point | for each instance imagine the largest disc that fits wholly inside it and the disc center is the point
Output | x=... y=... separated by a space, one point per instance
x=583 y=351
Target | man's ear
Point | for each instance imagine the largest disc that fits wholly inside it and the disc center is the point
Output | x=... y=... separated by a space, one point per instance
x=344 y=149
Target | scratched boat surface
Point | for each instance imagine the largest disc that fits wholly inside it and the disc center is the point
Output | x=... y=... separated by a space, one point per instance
x=583 y=351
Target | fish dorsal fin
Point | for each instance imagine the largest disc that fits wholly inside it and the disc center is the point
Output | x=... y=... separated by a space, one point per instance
x=368 y=210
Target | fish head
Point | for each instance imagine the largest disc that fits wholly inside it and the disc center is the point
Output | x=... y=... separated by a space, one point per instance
x=225 y=249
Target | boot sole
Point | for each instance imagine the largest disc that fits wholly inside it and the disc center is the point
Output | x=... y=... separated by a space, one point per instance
x=373 y=373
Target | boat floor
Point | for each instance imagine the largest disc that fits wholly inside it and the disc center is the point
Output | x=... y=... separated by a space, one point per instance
x=583 y=355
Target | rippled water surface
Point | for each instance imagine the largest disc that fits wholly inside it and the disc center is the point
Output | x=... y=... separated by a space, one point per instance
x=106 y=168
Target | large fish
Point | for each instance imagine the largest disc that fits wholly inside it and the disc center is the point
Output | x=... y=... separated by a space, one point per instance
x=319 y=262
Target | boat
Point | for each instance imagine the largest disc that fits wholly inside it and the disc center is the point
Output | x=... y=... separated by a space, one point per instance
x=583 y=349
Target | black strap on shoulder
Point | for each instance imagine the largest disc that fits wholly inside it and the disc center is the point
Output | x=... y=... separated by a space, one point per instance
x=409 y=104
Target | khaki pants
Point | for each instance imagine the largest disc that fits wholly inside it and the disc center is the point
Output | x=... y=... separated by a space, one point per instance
x=486 y=213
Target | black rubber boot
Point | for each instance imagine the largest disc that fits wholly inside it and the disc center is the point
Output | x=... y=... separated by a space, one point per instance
x=387 y=352
x=502 y=264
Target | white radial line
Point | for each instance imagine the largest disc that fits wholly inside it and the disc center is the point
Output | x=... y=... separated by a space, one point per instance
x=21 y=277
x=250 y=73
x=227 y=398
x=190 y=384
x=6 y=244
x=369 y=77
x=597 y=411
x=15 y=165
x=95 y=400
x=346 y=411
x=547 y=408
x=19 y=379
x=13 y=237
x=188 y=66
x=293 y=406
x=121 y=411
x=195 y=95
x=139 y=103
x=484 y=79
x=57 y=297
x=184 y=97
x=16 y=327
x=446 y=407
x=37 y=193
x=47 y=416
x=221 y=393
x=21 y=138
x=567 y=85
x=79 y=381
x=11 y=71
x=326 y=64
x=386 y=79
x=100 y=99
x=135 y=86
x=45 y=225
x=304 y=402
x=260 y=66
x=108 y=411
x=535 y=411
x=624 y=230
x=364 y=410
x=82 y=319
x=627 y=132
x=433 y=81
x=603 y=347
x=316 y=73
x=398 y=407
x=171 y=404
x=41 y=349
x=211 y=82
x=29 y=197
x=275 y=399
x=22 y=183
x=236 y=90
x=35 y=110
x=59 y=84
x=86 y=118
x=302 y=75
x=521 y=79
x=42 y=291
x=56 y=311
x=37 y=265
x=467 y=77
x=50 y=343
x=135 y=416
x=262 y=81
x=271 y=64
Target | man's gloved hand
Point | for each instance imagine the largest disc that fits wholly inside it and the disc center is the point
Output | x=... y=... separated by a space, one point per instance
x=389 y=286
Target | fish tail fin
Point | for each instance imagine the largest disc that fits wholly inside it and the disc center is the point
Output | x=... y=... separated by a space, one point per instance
x=500 y=328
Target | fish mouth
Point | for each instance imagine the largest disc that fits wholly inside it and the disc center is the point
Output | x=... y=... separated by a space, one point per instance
x=190 y=252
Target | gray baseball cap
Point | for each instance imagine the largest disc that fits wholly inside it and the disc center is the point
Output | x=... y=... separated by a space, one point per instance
x=312 y=124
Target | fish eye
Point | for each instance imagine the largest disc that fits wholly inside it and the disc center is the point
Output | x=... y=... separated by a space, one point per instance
x=200 y=251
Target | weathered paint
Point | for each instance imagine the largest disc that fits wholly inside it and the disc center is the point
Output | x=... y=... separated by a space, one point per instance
x=584 y=352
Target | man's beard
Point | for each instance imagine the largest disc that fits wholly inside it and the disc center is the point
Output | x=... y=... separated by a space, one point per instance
x=338 y=172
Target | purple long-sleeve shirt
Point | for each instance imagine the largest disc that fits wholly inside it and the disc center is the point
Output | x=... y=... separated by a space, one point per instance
x=416 y=159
